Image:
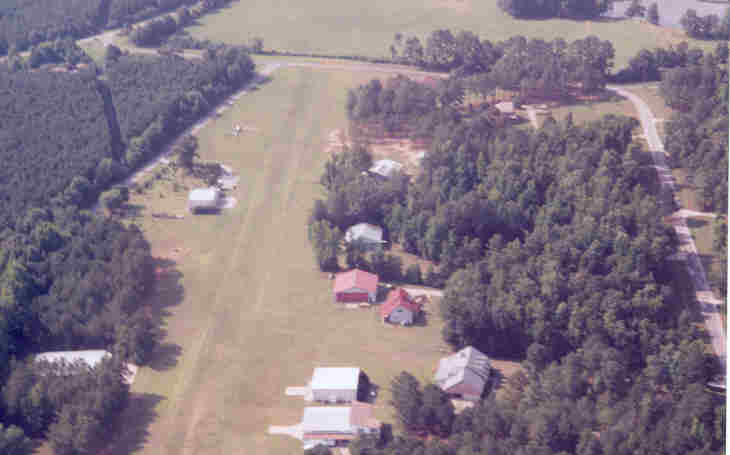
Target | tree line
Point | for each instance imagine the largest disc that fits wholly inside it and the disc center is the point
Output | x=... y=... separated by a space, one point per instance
x=706 y=27
x=574 y=9
x=26 y=23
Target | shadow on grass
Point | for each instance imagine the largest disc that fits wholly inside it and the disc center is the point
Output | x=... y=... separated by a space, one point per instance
x=168 y=292
x=132 y=427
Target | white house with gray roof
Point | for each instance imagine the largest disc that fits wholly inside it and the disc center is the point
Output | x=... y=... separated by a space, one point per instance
x=368 y=234
x=335 y=385
x=385 y=168
x=332 y=424
x=464 y=374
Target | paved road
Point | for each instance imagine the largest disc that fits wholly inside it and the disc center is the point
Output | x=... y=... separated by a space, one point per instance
x=709 y=304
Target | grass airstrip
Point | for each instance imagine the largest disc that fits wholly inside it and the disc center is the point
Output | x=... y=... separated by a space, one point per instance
x=367 y=28
x=247 y=311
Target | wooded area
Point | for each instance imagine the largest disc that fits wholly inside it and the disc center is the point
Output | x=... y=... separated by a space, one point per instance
x=574 y=9
x=552 y=248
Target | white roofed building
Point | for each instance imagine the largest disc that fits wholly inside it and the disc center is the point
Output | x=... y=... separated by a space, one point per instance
x=385 y=168
x=506 y=107
x=202 y=199
x=464 y=374
x=91 y=358
x=331 y=424
x=366 y=233
x=335 y=384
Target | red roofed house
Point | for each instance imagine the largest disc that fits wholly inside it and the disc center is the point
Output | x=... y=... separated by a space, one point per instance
x=355 y=286
x=399 y=308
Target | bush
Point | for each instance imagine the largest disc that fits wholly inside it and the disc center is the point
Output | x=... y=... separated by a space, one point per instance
x=413 y=274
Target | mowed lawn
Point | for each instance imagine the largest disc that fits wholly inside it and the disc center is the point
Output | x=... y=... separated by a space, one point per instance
x=367 y=27
x=248 y=312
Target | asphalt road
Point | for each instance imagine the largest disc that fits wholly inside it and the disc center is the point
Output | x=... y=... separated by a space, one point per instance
x=709 y=304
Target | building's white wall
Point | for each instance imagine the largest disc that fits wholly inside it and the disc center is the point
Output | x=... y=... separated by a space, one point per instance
x=344 y=395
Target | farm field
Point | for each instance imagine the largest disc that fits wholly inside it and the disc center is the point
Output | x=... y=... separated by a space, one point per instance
x=339 y=28
x=247 y=311
x=588 y=111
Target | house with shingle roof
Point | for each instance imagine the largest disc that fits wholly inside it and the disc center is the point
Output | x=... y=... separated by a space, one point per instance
x=464 y=374
x=355 y=286
x=399 y=308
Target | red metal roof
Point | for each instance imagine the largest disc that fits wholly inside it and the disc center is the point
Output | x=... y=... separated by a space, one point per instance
x=360 y=279
x=398 y=297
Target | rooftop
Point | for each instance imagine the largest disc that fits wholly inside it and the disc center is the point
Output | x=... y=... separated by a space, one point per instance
x=468 y=365
x=386 y=167
x=326 y=419
x=366 y=232
x=204 y=194
x=91 y=358
x=356 y=279
x=398 y=297
x=506 y=107
x=335 y=378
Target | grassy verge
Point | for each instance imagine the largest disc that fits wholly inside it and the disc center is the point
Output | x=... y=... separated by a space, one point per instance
x=247 y=312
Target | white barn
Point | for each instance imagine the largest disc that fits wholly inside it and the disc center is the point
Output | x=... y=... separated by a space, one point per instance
x=385 y=168
x=202 y=199
x=335 y=384
x=332 y=424
x=368 y=234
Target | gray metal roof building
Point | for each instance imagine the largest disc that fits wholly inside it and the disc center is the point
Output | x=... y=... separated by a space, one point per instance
x=365 y=232
x=463 y=373
x=385 y=168
x=204 y=199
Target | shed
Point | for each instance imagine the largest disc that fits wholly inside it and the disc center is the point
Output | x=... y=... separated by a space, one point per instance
x=335 y=384
x=355 y=286
x=331 y=424
x=385 y=168
x=368 y=234
x=204 y=199
x=506 y=107
x=464 y=374
x=399 y=308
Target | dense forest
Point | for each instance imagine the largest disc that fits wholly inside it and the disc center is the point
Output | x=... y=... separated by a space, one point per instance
x=24 y=23
x=53 y=130
x=551 y=248
x=574 y=9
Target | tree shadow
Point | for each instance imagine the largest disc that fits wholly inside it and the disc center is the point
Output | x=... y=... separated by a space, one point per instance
x=495 y=382
x=132 y=211
x=168 y=292
x=131 y=430
x=421 y=319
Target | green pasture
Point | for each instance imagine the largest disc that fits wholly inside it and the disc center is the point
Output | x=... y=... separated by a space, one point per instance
x=367 y=28
x=247 y=311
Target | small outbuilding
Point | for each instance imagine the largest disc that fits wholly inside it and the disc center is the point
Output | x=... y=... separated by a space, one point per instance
x=506 y=107
x=367 y=234
x=385 y=168
x=355 y=286
x=464 y=374
x=331 y=425
x=335 y=385
x=204 y=199
x=399 y=308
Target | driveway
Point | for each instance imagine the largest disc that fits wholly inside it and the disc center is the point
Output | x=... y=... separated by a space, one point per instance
x=703 y=293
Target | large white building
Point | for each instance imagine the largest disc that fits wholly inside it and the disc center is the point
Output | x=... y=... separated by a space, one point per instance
x=385 y=168
x=332 y=424
x=335 y=384
x=367 y=234
x=464 y=374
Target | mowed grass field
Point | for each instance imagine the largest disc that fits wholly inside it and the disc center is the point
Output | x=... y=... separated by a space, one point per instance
x=367 y=28
x=247 y=312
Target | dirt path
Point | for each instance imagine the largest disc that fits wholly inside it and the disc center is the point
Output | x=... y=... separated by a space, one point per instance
x=709 y=304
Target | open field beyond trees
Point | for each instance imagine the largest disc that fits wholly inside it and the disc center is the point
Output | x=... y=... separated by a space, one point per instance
x=249 y=313
x=367 y=28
